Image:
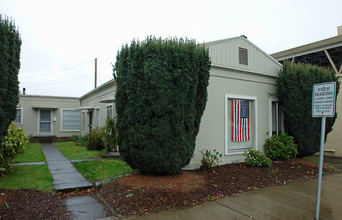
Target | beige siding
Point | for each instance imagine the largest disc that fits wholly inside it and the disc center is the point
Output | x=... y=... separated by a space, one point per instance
x=255 y=81
x=93 y=99
x=31 y=104
x=212 y=133
x=225 y=53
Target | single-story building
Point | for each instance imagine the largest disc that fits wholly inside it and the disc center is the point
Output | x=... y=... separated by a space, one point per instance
x=241 y=112
x=325 y=53
x=96 y=106
x=240 y=71
x=48 y=116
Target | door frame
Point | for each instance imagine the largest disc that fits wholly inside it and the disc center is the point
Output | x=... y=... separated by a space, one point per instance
x=51 y=122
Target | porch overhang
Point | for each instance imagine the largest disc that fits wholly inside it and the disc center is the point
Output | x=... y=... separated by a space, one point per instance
x=107 y=100
x=44 y=107
x=89 y=108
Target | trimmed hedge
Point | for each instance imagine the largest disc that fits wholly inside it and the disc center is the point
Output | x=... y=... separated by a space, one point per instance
x=160 y=98
x=10 y=43
x=295 y=84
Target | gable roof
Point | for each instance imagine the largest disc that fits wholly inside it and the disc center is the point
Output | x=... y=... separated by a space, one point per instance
x=225 y=53
x=108 y=84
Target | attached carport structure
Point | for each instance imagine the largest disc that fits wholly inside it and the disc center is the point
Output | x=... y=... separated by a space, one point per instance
x=325 y=53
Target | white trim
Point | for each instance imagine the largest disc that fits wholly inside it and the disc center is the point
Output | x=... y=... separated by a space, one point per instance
x=51 y=122
x=98 y=121
x=270 y=127
x=83 y=121
x=61 y=119
x=242 y=70
x=21 y=116
x=255 y=123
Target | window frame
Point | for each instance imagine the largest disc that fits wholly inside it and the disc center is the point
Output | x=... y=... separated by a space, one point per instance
x=226 y=120
x=51 y=122
x=280 y=114
x=112 y=116
x=21 y=116
x=69 y=109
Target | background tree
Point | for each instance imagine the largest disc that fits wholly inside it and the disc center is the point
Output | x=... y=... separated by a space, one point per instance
x=160 y=98
x=295 y=84
x=10 y=43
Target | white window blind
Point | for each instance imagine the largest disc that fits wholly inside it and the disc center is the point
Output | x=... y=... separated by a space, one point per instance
x=70 y=120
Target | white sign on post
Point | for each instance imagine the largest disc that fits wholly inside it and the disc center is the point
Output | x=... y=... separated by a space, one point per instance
x=323 y=105
x=323 y=99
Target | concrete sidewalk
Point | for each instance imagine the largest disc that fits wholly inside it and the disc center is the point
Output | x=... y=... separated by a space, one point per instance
x=66 y=178
x=64 y=174
x=293 y=201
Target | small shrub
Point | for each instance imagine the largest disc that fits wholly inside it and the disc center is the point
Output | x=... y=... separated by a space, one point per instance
x=12 y=144
x=209 y=159
x=94 y=141
x=255 y=158
x=109 y=135
x=79 y=140
x=280 y=147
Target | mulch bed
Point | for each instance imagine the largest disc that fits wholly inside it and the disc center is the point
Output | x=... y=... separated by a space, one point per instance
x=31 y=204
x=139 y=194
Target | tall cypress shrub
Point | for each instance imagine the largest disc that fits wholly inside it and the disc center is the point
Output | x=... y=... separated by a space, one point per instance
x=295 y=84
x=10 y=43
x=160 y=98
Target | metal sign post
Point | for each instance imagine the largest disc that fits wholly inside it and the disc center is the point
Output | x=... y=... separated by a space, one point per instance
x=323 y=105
x=320 y=169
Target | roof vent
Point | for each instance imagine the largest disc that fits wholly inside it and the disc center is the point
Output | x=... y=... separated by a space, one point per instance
x=339 y=30
x=244 y=36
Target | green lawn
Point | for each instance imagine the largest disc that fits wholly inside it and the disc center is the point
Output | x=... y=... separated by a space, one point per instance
x=30 y=176
x=33 y=153
x=71 y=151
x=102 y=169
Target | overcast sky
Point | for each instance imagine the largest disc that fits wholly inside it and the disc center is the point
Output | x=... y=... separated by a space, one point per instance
x=61 y=38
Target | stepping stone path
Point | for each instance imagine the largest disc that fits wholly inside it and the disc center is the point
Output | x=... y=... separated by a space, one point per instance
x=66 y=178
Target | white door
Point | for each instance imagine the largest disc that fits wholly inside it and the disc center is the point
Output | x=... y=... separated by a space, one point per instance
x=44 y=121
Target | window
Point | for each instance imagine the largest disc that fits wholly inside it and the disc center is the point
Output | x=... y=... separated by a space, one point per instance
x=70 y=120
x=240 y=124
x=19 y=116
x=243 y=56
x=83 y=121
x=97 y=118
x=277 y=118
x=109 y=111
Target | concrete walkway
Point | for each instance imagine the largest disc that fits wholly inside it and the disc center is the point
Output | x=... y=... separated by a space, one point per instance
x=65 y=176
x=293 y=201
